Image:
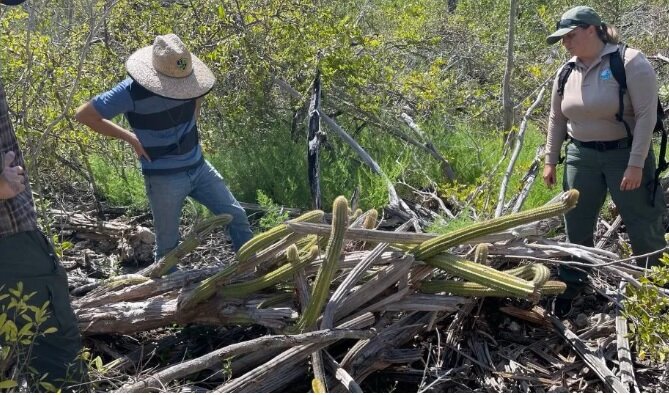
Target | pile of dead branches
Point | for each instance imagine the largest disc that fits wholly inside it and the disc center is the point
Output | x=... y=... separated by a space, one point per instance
x=346 y=296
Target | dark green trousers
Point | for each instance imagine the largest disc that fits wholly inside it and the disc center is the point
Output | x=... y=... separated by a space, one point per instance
x=594 y=173
x=29 y=258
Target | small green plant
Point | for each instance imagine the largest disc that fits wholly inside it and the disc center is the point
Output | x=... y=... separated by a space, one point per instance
x=121 y=183
x=648 y=311
x=274 y=214
x=20 y=325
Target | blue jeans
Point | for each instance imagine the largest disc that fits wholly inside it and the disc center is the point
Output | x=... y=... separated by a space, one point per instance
x=204 y=184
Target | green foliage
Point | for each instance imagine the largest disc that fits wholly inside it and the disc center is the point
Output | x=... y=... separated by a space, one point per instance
x=20 y=325
x=648 y=312
x=274 y=214
x=120 y=185
x=377 y=58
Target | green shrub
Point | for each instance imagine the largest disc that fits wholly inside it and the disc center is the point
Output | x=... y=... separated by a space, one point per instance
x=20 y=324
x=274 y=214
x=648 y=312
x=121 y=183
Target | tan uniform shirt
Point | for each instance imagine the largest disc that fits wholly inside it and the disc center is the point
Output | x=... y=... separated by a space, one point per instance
x=587 y=111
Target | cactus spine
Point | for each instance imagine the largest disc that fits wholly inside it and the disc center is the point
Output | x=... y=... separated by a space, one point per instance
x=434 y=246
x=483 y=275
x=266 y=239
x=327 y=270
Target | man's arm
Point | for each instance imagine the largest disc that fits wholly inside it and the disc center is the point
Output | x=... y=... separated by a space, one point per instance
x=11 y=177
x=89 y=116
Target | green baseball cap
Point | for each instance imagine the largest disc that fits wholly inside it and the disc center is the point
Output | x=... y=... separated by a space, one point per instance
x=580 y=16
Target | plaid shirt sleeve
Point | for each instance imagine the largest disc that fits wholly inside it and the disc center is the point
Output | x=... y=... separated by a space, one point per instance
x=18 y=213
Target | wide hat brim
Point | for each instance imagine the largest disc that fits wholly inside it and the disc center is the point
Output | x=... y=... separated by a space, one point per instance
x=557 y=36
x=140 y=68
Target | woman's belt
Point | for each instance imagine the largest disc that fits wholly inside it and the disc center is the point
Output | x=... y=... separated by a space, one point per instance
x=604 y=145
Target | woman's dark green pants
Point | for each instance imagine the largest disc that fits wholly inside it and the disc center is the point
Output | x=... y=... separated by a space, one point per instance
x=595 y=172
x=28 y=257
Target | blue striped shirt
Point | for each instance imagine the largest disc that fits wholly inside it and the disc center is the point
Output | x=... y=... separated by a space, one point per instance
x=166 y=128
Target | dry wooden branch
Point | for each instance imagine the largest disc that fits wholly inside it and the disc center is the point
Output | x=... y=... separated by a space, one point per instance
x=624 y=353
x=516 y=152
x=158 y=380
x=445 y=166
x=280 y=367
x=594 y=362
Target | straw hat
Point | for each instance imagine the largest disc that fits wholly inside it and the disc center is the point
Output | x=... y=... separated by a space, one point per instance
x=168 y=69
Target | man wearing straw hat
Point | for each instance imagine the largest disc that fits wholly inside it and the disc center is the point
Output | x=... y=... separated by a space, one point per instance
x=161 y=101
x=28 y=262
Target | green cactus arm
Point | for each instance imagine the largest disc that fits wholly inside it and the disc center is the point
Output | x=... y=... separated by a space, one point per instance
x=190 y=242
x=467 y=288
x=438 y=244
x=482 y=274
x=354 y=215
x=481 y=253
x=330 y=264
x=371 y=216
x=535 y=272
x=284 y=272
x=266 y=239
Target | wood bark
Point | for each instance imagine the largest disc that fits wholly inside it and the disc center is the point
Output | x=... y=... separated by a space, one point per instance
x=314 y=138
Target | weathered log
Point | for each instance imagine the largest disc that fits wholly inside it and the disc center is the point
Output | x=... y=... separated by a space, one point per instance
x=159 y=311
x=271 y=376
x=158 y=380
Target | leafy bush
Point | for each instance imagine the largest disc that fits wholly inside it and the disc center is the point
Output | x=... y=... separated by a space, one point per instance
x=274 y=214
x=648 y=312
x=16 y=343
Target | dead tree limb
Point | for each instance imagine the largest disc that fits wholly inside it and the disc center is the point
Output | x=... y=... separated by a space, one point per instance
x=314 y=139
x=520 y=138
x=623 y=345
x=273 y=375
x=394 y=200
x=157 y=380
x=341 y=374
x=528 y=181
x=590 y=359
x=354 y=275
x=446 y=168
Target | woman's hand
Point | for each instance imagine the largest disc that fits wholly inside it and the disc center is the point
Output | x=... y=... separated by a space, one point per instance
x=631 y=178
x=549 y=175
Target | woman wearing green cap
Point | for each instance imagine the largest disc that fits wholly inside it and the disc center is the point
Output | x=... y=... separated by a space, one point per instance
x=605 y=152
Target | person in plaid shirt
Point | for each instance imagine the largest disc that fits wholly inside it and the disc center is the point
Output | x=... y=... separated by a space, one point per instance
x=27 y=256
